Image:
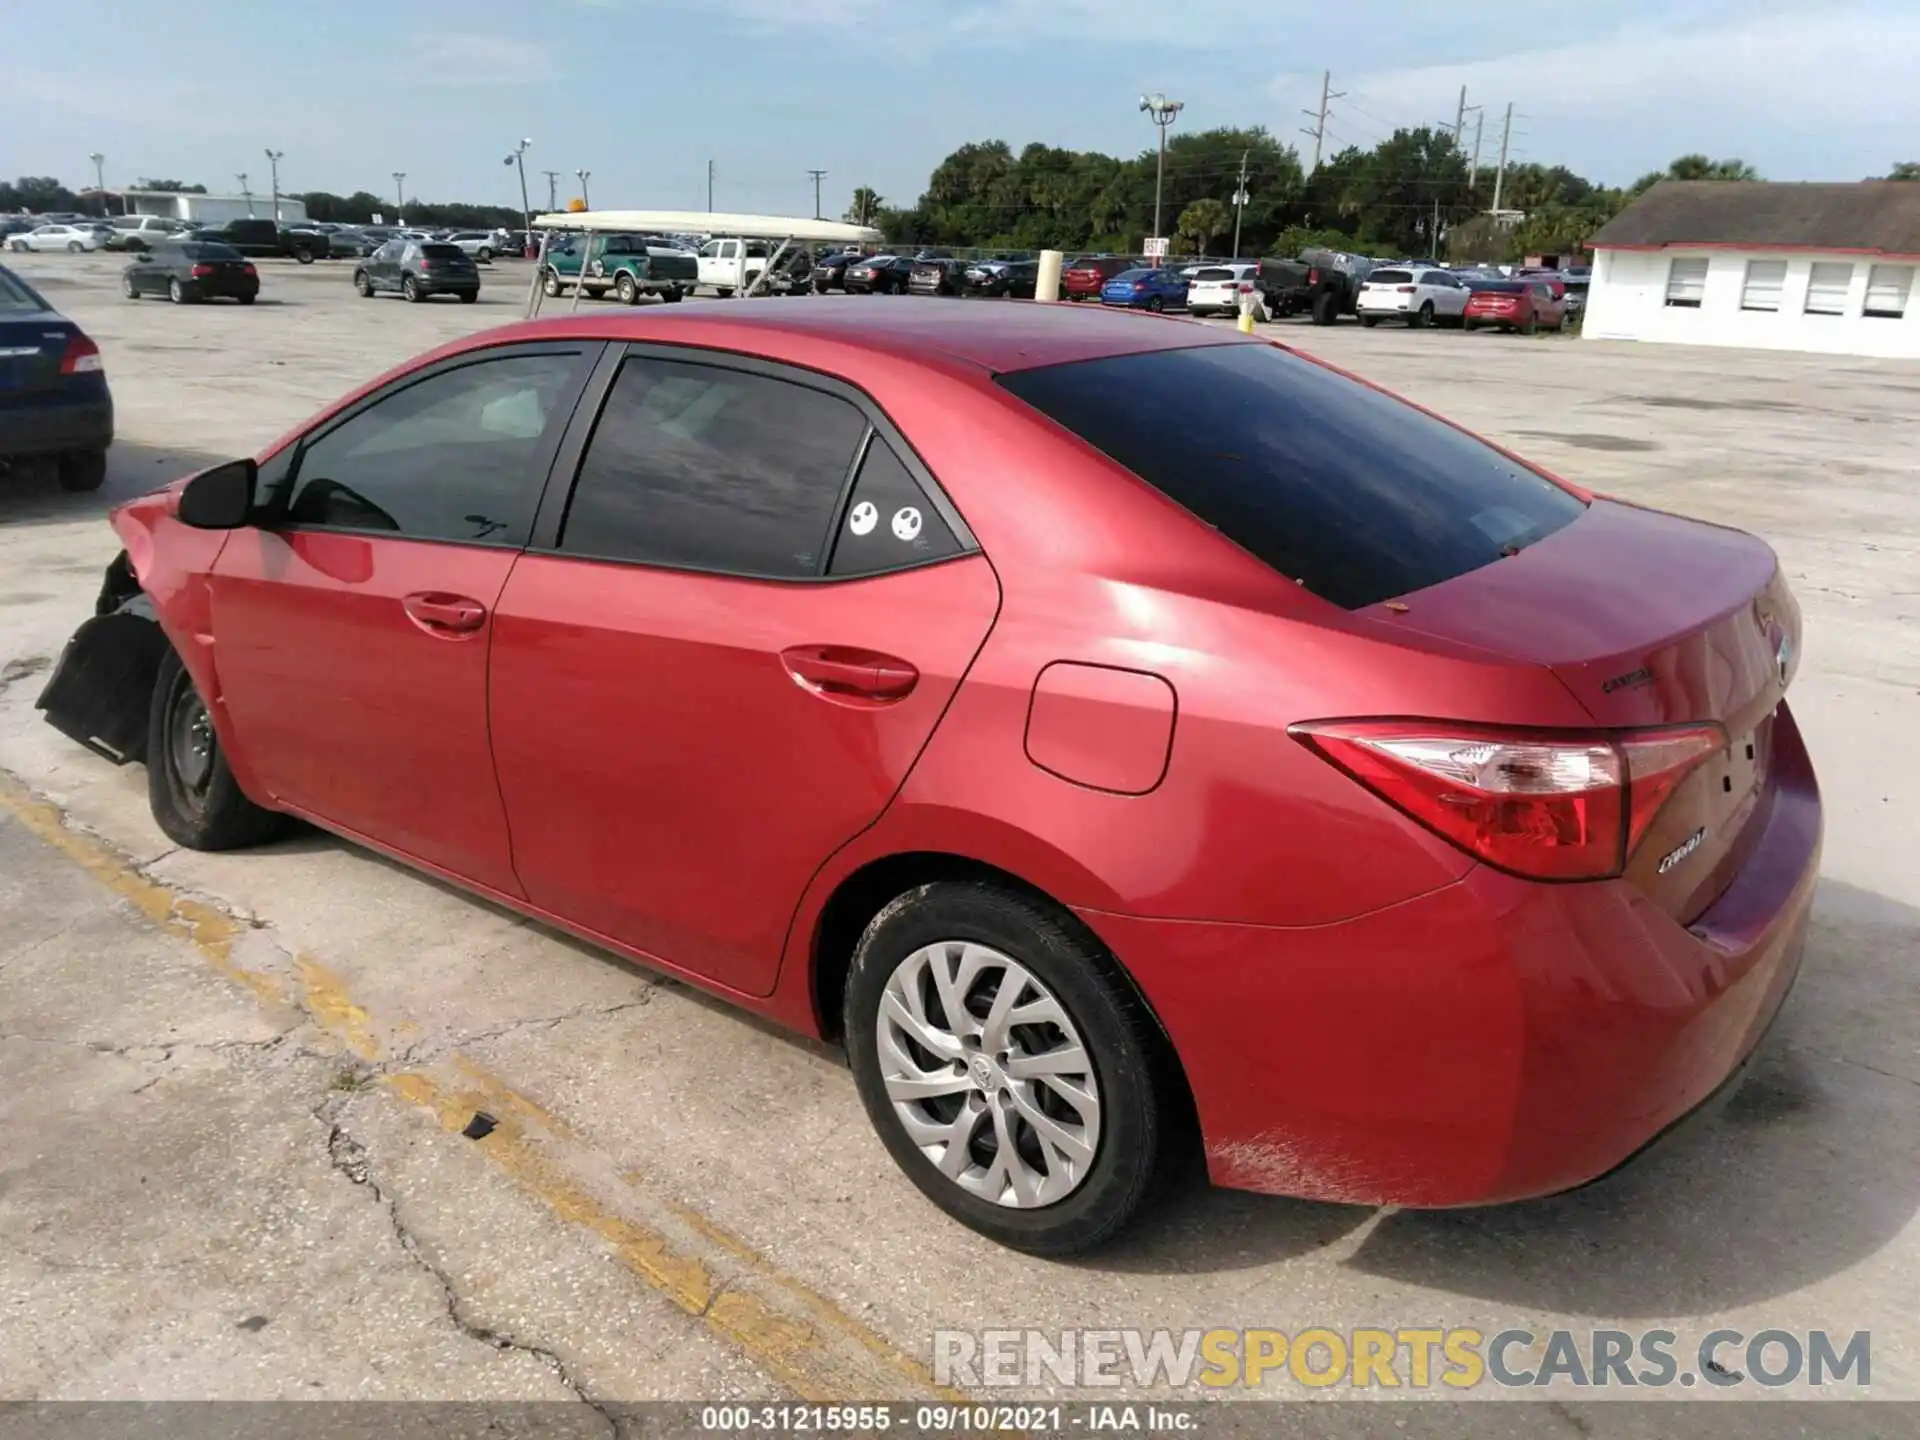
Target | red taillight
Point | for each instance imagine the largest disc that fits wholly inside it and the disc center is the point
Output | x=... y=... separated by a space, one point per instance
x=248 y=270
x=202 y=272
x=1404 y=289
x=81 y=357
x=1546 y=805
x=1313 y=275
x=1244 y=288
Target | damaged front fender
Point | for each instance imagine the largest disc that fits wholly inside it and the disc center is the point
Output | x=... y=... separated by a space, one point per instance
x=103 y=686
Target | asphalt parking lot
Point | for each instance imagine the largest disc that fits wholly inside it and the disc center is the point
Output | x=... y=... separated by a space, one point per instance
x=233 y=1086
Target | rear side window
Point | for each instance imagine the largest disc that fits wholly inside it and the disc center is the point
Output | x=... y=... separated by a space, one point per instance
x=16 y=294
x=888 y=523
x=1390 y=277
x=1356 y=495
x=706 y=468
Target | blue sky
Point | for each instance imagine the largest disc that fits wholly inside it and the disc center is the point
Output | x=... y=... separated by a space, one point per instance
x=644 y=92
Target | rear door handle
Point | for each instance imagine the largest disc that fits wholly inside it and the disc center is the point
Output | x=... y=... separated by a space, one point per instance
x=844 y=672
x=439 y=613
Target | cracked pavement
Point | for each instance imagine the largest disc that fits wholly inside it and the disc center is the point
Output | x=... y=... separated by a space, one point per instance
x=232 y=1162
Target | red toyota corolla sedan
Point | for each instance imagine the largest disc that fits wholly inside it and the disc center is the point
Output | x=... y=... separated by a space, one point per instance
x=1106 y=727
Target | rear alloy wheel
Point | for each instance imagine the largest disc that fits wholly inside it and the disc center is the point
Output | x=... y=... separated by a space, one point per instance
x=1007 y=1066
x=131 y=290
x=1369 y=321
x=304 y=256
x=624 y=287
x=551 y=284
x=74 y=247
x=83 y=470
x=484 y=255
x=1156 y=304
x=1423 y=317
x=410 y=291
x=176 y=292
x=192 y=793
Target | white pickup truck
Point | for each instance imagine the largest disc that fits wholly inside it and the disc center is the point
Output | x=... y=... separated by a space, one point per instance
x=729 y=265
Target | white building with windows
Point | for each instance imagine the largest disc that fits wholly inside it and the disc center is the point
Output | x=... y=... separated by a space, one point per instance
x=1829 y=268
x=214 y=209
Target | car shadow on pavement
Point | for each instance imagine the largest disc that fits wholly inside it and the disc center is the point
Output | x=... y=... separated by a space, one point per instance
x=1812 y=1166
x=30 y=492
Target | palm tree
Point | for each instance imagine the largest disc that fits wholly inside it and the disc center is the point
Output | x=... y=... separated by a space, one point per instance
x=866 y=204
x=1905 y=170
x=1201 y=221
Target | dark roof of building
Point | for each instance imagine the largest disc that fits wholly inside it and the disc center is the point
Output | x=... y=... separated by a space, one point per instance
x=1876 y=215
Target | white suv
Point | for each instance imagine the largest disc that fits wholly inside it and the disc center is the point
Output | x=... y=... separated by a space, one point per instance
x=1417 y=296
x=1216 y=289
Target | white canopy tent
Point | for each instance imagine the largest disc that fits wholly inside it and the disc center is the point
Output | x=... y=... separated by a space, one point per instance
x=786 y=229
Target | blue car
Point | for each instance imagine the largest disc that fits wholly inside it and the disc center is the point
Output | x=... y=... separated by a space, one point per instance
x=53 y=391
x=1146 y=290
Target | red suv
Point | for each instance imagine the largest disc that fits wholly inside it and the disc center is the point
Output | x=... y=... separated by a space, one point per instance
x=1525 y=305
x=1084 y=278
x=1119 y=734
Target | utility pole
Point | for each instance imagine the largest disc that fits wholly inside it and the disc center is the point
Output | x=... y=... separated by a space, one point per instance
x=553 y=189
x=1500 y=175
x=1240 y=198
x=1319 y=131
x=400 y=195
x=584 y=176
x=518 y=157
x=1162 y=112
x=709 y=187
x=99 y=171
x=245 y=193
x=1460 y=118
x=1479 y=123
x=274 y=157
x=818 y=176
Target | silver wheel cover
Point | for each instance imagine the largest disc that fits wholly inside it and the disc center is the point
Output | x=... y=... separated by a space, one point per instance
x=987 y=1072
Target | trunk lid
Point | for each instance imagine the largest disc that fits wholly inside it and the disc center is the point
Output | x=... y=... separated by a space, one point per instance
x=1648 y=619
x=31 y=344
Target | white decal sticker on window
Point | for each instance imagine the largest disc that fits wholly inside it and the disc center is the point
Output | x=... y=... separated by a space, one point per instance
x=906 y=523
x=863 y=518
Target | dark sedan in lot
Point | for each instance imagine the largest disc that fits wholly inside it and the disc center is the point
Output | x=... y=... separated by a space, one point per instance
x=1013 y=279
x=419 y=270
x=188 y=270
x=831 y=271
x=53 y=388
x=881 y=275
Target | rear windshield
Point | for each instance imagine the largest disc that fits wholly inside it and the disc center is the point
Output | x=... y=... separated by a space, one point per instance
x=1390 y=277
x=1130 y=276
x=1497 y=287
x=207 y=250
x=1356 y=495
x=443 y=252
x=1213 y=272
x=15 y=296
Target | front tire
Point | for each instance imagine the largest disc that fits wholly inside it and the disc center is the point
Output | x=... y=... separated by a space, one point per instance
x=83 y=470
x=363 y=283
x=193 y=795
x=1046 y=1134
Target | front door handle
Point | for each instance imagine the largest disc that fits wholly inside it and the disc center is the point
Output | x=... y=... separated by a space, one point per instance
x=442 y=614
x=842 y=672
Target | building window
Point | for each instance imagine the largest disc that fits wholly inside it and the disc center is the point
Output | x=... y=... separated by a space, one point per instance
x=1887 y=289
x=1686 y=283
x=1765 y=280
x=1827 y=288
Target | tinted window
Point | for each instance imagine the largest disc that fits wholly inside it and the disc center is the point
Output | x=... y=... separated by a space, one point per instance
x=712 y=469
x=207 y=250
x=1390 y=277
x=1499 y=287
x=443 y=252
x=1357 y=496
x=15 y=294
x=453 y=457
x=1213 y=272
x=888 y=522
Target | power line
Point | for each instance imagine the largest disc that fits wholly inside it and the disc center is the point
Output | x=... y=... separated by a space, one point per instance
x=553 y=189
x=818 y=176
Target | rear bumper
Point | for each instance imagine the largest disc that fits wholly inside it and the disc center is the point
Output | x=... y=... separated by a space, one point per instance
x=57 y=426
x=1490 y=1041
x=222 y=289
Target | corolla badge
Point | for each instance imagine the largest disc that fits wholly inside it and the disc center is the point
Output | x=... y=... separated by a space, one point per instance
x=1681 y=851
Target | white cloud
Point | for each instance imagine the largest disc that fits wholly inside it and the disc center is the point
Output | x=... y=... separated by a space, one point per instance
x=468 y=58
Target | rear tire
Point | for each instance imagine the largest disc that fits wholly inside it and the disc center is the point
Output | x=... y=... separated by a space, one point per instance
x=74 y=247
x=1531 y=327
x=304 y=256
x=176 y=292
x=192 y=793
x=1156 y=304
x=673 y=296
x=82 y=470
x=128 y=288
x=484 y=255
x=1095 y=1199
x=246 y=299
x=624 y=287
x=1421 y=318
x=725 y=292
x=410 y=291
x=1369 y=321
x=469 y=297
x=550 y=283
x=1326 y=308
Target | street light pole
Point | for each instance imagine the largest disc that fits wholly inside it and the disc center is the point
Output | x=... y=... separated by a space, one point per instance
x=585 y=199
x=518 y=156
x=99 y=177
x=400 y=196
x=1161 y=110
x=245 y=193
x=274 y=157
x=1240 y=198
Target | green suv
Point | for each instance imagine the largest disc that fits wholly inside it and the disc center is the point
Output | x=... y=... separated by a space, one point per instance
x=625 y=264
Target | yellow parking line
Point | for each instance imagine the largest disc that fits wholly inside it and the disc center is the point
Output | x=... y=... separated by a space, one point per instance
x=795 y=1334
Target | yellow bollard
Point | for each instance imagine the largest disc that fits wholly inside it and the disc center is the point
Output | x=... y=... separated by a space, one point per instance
x=1246 y=322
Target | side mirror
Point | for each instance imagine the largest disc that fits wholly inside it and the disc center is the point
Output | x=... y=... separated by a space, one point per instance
x=220 y=498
